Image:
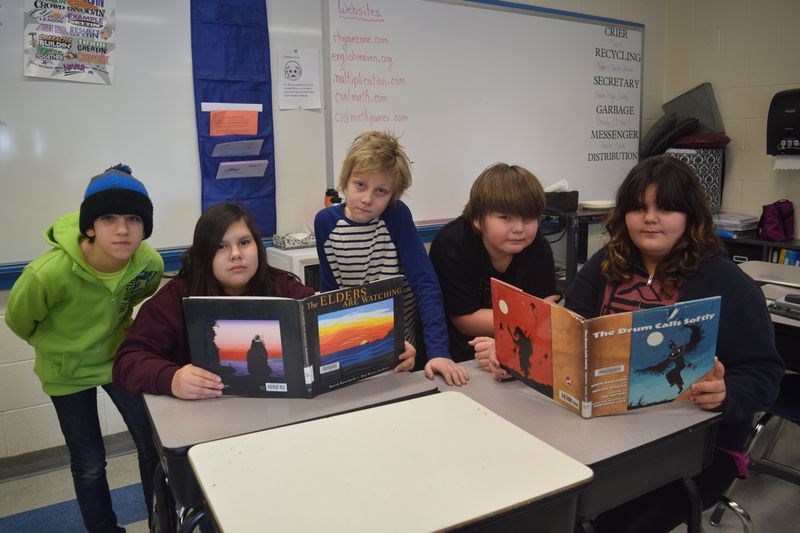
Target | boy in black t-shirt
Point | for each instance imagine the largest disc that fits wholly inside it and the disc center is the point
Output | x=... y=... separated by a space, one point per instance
x=497 y=235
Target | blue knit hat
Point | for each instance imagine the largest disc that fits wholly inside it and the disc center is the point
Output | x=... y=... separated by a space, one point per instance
x=116 y=191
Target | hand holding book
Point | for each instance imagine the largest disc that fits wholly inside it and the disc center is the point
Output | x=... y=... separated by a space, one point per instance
x=484 y=349
x=406 y=358
x=709 y=392
x=195 y=383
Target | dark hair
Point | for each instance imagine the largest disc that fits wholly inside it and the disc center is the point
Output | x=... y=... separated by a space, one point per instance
x=197 y=261
x=677 y=189
x=503 y=188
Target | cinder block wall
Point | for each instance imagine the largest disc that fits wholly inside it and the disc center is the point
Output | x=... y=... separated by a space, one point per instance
x=747 y=50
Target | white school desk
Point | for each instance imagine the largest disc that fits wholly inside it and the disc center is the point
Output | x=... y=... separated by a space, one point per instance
x=427 y=464
x=777 y=280
x=630 y=454
x=180 y=424
x=765 y=272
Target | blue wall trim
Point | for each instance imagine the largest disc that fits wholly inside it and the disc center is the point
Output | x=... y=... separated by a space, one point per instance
x=9 y=272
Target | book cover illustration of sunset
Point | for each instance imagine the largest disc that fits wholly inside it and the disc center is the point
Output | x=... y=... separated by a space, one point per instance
x=250 y=355
x=250 y=347
x=356 y=339
x=253 y=344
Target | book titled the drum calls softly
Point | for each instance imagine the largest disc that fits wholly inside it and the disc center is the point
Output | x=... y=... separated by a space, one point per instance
x=280 y=347
x=608 y=364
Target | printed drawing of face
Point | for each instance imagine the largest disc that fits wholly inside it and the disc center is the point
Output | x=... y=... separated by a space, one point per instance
x=505 y=235
x=368 y=195
x=236 y=260
x=116 y=238
x=292 y=70
x=653 y=230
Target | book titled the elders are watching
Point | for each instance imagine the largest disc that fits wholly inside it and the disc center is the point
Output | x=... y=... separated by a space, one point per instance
x=280 y=347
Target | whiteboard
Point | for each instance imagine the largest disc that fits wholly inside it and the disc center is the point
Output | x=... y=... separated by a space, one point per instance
x=468 y=85
x=55 y=135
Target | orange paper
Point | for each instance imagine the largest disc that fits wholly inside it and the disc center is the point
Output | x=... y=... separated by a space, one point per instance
x=233 y=123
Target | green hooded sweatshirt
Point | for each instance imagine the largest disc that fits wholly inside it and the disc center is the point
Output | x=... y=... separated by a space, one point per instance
x=67 y=314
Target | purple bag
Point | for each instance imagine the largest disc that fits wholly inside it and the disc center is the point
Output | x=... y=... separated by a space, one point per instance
x=777 y=221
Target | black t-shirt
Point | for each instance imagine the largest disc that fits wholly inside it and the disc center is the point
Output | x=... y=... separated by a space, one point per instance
x=464 y=269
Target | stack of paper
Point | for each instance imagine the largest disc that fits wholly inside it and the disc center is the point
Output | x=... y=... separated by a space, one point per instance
x=735 y=220
x=734 y=225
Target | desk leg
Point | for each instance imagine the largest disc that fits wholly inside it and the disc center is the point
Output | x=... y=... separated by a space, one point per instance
x=695 y=506
x=167 y=518
x=164 y=515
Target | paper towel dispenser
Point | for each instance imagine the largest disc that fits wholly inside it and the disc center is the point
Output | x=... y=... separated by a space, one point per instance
x=783 y=123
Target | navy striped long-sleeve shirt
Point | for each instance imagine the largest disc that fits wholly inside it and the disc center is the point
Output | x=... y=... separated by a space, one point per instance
x=352 y=253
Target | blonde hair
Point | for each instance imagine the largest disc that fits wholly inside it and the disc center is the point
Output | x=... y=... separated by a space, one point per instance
x=377 y=151
x=503 y=188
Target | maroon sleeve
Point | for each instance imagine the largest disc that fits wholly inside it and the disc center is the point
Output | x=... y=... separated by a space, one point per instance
x=289 y=287
x=155 y=346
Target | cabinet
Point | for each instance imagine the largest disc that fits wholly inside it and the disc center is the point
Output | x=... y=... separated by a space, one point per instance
x=302 y=262
x=751 y=248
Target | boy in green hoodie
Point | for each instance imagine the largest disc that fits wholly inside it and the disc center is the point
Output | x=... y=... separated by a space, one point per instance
x=74 y=304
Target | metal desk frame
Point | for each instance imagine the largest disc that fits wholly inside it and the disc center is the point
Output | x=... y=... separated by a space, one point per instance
x=577 y=234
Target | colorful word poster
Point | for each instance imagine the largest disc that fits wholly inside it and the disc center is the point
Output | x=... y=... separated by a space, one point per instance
x=71 y=40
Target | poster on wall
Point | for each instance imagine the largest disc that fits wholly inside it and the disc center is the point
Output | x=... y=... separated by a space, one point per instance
x=70 y=40
x=299 y=78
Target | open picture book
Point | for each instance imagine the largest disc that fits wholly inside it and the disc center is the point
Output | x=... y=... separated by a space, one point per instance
x=280 y=347
x=608 y=364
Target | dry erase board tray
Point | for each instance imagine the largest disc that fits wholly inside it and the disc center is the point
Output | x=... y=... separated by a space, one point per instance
x=289 y=241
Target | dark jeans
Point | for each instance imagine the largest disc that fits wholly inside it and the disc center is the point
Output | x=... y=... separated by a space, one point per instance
x=77 y=415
